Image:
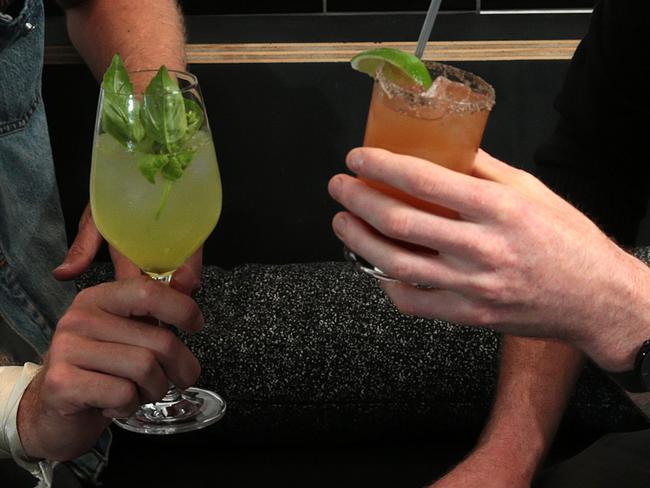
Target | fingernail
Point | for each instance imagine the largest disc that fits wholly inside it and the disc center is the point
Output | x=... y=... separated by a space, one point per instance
x=355 y=160
x=335 y=186
x=61 y=267
x=339 y=224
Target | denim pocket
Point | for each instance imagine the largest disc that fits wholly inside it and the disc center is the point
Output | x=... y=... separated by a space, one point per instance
x=21 y=65
x=12 y=20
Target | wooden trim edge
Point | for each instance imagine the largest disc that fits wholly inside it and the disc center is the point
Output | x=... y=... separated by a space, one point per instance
x=341 y=52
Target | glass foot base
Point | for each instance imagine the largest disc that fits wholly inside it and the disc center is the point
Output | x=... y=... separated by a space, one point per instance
x=196 y=410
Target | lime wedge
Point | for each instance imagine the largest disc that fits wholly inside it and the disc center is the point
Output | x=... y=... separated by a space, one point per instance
x=405 y=65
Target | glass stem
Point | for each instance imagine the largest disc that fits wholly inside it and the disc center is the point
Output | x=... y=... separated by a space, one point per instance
x=173 y=394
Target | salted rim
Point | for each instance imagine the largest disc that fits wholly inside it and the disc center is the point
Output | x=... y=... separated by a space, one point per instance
x=477 y=84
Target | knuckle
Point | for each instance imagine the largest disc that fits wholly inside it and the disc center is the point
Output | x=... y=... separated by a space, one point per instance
x=77 y=250
x=168 y=343
x=84 y=296
x=126 y=394
x=148 y=365
x=62 y=347
x=191 y=311
x=491 y=289
x=396 y=224
x=147 y=289
x=401 y=268
x=507 y=207
x=482 y=316
x=57 y=380
x=526 y=180
x=72 y=320
x=423 y=186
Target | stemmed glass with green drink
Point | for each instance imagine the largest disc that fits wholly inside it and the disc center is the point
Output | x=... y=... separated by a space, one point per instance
x=155 y=195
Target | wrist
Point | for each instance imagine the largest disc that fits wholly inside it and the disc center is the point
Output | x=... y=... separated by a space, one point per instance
x=519 y=460
x=27 y=422
x=616 y=336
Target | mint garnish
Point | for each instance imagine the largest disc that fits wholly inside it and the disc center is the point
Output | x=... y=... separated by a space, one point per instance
x=160 y=127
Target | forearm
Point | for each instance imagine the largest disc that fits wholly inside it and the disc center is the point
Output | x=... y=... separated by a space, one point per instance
x=146 y=33
x=535 y=381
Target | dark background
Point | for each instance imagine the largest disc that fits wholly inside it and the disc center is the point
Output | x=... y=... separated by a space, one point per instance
x=281 y=130
x=203 y=7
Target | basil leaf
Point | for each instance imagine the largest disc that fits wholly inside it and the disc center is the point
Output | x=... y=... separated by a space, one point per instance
x=150 y=165
x=194 y=114
x=116 y=78
x=173 y=170
x=120 y=109
x=163 y=110
x=184 y=157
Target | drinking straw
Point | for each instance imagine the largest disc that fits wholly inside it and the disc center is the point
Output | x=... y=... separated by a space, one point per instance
x=425 y=33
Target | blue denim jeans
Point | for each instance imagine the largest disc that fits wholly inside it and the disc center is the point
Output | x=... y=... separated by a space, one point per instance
x=32 y=235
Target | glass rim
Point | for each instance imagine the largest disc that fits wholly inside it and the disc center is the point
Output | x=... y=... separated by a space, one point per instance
x=477 y=84
x=190 y=78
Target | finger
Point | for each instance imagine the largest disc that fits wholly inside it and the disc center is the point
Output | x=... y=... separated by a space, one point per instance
x=137 y=364
x=141 y=297
x=422 y=179
x=177 y=362
x=187 y=278
x=124 y=268
x=438 y=304
x=488 y=167
x=393 y=259
x=83 y=249
x=74 y=390
x=398 y=220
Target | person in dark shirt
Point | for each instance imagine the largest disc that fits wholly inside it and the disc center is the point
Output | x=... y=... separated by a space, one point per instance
x=523 y=261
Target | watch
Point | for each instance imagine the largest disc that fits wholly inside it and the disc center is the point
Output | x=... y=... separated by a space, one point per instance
x=638 y=379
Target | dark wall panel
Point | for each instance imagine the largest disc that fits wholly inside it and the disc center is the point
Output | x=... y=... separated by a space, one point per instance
x=403 y=5
x=281 y=131
x=535 y=4
x=203 y=7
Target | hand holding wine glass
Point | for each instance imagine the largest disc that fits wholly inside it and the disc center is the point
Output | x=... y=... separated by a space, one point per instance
x=155 y=195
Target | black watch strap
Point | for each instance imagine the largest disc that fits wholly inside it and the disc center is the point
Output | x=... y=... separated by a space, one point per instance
x=637 y=380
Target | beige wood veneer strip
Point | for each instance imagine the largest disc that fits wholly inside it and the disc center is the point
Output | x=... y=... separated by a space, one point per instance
x=341 y=52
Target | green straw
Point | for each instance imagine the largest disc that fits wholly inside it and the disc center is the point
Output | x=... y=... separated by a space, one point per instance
x=427 y=27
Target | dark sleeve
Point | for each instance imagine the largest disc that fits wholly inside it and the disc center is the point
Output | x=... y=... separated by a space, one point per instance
x=597 y=157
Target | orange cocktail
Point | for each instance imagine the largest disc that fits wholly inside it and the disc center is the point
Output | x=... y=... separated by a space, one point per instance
x=443 y=125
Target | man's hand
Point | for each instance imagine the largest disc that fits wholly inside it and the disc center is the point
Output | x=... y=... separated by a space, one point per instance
x=104 y=361
x=518 y=258
x=186 y=279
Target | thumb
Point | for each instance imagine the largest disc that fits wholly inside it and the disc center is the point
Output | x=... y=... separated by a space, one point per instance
x=82 y=251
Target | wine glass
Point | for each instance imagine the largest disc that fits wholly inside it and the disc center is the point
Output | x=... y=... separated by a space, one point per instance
x=155 y=195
